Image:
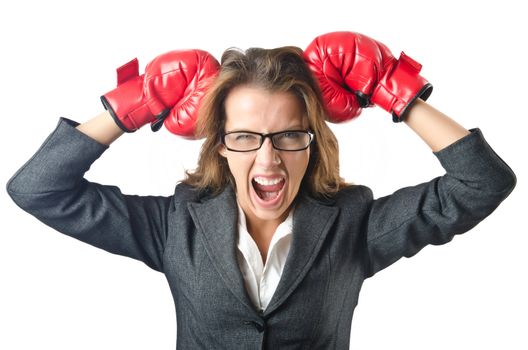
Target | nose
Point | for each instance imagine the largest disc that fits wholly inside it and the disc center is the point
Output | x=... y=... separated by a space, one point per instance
x=267 y=156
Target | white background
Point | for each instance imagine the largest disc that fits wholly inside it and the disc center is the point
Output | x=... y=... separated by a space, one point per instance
x=57 y=58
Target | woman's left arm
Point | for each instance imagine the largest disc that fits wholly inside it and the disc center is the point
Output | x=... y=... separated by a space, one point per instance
x=434 y=127
x=476 y=181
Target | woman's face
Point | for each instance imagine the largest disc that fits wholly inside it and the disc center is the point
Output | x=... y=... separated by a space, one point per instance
x=267 y=180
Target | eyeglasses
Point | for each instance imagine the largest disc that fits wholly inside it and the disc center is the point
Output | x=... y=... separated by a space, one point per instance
x=247 y=141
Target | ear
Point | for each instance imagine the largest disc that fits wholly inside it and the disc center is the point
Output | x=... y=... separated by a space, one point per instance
x=222 y=151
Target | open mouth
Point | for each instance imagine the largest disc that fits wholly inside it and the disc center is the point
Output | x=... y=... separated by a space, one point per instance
x=268 y=189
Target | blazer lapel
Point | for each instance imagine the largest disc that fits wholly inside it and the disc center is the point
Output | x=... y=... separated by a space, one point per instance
x=311 y=224
x=216 y=220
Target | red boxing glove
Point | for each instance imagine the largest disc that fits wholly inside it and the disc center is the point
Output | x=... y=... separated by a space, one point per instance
x=168 y=93
x=356 y=71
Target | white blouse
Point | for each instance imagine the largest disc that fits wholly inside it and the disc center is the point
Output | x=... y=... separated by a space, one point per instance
x=261 y=280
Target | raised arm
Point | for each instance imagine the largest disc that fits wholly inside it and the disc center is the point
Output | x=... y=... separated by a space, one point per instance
x=356 y=71
x=52 y=186
x=101 y=128
x=434 y=127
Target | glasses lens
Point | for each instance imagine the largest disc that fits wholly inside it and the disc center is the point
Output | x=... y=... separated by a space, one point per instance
x=242 y=141
x=291 y=140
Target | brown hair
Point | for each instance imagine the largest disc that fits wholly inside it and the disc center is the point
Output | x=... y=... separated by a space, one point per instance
x=278 y=70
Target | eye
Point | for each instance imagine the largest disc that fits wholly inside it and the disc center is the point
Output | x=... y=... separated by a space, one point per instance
x=292 y=135
x=244 y=137
x=289 y=135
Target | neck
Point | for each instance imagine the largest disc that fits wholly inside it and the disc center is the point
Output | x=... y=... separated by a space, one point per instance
x=264 y=228
x=262 y=232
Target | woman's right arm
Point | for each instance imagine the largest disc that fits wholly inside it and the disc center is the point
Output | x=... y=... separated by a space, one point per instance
x=101 y=128
x=51 y=186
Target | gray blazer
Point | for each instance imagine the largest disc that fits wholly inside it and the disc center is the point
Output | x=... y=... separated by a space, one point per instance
x=191 y=238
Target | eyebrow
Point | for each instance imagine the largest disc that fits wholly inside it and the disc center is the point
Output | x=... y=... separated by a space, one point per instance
x=293 y=127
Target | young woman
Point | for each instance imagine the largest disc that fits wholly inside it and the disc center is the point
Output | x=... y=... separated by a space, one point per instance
x=264 y=245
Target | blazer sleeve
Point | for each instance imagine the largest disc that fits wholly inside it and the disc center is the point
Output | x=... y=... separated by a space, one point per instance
x=51 y=186
x=477 y=180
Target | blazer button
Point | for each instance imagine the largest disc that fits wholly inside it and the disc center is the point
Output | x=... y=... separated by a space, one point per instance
x=258 y=326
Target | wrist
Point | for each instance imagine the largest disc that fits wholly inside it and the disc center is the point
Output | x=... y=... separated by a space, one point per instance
x=102 y=128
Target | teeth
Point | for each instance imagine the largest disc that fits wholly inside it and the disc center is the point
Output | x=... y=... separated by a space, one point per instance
x=267 y=182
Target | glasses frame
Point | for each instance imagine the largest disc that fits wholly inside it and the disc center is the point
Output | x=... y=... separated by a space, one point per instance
x=270 y=135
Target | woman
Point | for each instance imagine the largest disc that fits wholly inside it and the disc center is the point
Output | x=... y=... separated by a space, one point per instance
x=264 y=245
